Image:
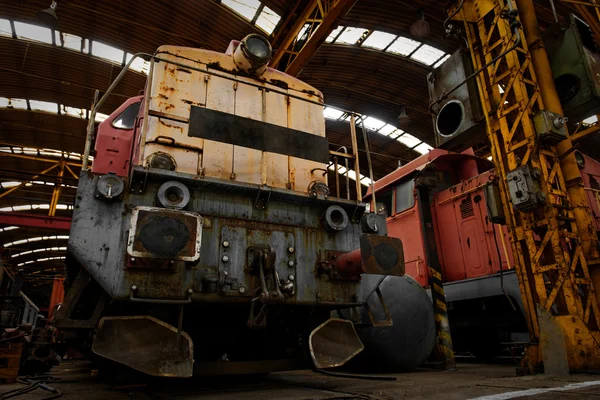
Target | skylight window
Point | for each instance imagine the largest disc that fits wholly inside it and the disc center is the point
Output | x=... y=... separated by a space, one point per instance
x=379 y=40
x=334 y=34
x=17 y=104
x=139 y=64
x=5 y=27
x=365 y=181
x=423 y=148
x=591 y=120
x=373 y=124
x=246 y=8
x=100 y=117
x=29 y=207
x=268 y=20
x=72 y=42
x=302 y=31
x=387 y=129
x=396 y=133
x=8 y=228
x=73 y=111
x=33 y=32
x=403 y=46
x=39 y=260
x=37 y=105
x=441 y=61
x=24 y=253
x=408 y=140
x=427 y=54
x=107 y=52
x=10 y=184
x=36 y=239
x=351 y=35
x=332 y=113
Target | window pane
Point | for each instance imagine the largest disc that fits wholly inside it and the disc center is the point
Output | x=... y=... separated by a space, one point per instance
x=332 y=113
x=334 y=34
x=33 y=32
x=378 y=40
x=107 y=52
x=384 y=203
x=351 y=35
x=246 y=8
x=5 y=27
x=408 y=140
x=126 y=120
x=267 y=20
x=403 y=46
x=427 y=54
x=405 y=197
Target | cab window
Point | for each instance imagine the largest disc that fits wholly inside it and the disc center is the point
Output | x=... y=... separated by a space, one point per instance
x=384 y=203
x=126 y=120
x=405 y=198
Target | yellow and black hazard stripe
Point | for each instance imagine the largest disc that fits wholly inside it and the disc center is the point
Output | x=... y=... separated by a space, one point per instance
x=441 y=319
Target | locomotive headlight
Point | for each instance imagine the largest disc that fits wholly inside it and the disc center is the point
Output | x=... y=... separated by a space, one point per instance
x=109 y=187
x=253 y=54
x=161 y=160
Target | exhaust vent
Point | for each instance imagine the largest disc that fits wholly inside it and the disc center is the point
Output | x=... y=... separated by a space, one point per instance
x=466 y=208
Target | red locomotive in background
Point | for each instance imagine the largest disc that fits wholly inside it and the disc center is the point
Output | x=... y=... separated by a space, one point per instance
x=454 y=196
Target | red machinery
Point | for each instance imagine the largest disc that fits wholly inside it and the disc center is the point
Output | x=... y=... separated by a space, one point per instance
x=455 y=195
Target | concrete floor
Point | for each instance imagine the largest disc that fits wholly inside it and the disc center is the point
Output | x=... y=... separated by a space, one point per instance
x=469 y=381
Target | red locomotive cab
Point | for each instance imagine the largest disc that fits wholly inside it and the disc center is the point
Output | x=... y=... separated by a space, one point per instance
x=115 y=138
x=464 y=248
x=469 y=244
x=590 y=172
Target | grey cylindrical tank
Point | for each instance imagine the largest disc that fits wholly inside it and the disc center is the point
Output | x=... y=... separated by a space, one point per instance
x=408 y=343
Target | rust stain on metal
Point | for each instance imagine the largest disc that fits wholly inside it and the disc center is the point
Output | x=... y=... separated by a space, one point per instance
x=309 y=92
x=280 y=83
x=187 y=71
x=170 y=125
x=217 y=66
x=162 y=96
x=190 y=102
x=167 y=88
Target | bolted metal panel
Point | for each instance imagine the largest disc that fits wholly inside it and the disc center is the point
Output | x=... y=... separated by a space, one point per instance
x=457 y=118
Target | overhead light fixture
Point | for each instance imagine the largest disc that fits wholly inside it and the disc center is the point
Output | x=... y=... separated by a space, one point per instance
x=403 y=116
x=420 y=28
x=48 y=16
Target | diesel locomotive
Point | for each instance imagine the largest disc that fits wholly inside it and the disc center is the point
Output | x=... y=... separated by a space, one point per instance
x=205 y=240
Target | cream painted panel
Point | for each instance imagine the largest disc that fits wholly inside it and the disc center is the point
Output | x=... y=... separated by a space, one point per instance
x=175 y=89
x=307 y=117
x=277 y=164
x=217 y=160
x=247 y=164
x=187 y=160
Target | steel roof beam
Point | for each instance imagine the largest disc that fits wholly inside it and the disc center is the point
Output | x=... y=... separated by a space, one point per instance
x=326 y=16
x=35 y=221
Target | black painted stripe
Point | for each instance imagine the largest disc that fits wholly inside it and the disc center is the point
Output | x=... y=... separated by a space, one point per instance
x=228 y=128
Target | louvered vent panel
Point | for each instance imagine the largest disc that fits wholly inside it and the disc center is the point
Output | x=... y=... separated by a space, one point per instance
x=594 y=183
x=466 y=208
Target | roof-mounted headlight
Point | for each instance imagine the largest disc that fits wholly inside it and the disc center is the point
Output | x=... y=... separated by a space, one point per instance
x=253 y=54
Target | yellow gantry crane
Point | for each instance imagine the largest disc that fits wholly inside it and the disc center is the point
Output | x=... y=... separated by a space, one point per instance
x=553 y=236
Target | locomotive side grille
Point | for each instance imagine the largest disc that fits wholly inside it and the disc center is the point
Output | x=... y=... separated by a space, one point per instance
x=594 y=183
x=466 y=208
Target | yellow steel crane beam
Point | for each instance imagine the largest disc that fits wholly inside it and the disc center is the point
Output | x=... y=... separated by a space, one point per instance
x=316 y=21
x=554 y=243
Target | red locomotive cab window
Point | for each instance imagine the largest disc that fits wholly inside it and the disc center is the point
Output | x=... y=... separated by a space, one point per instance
x=405 y=197
x=384 y=203
x=126 y=120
